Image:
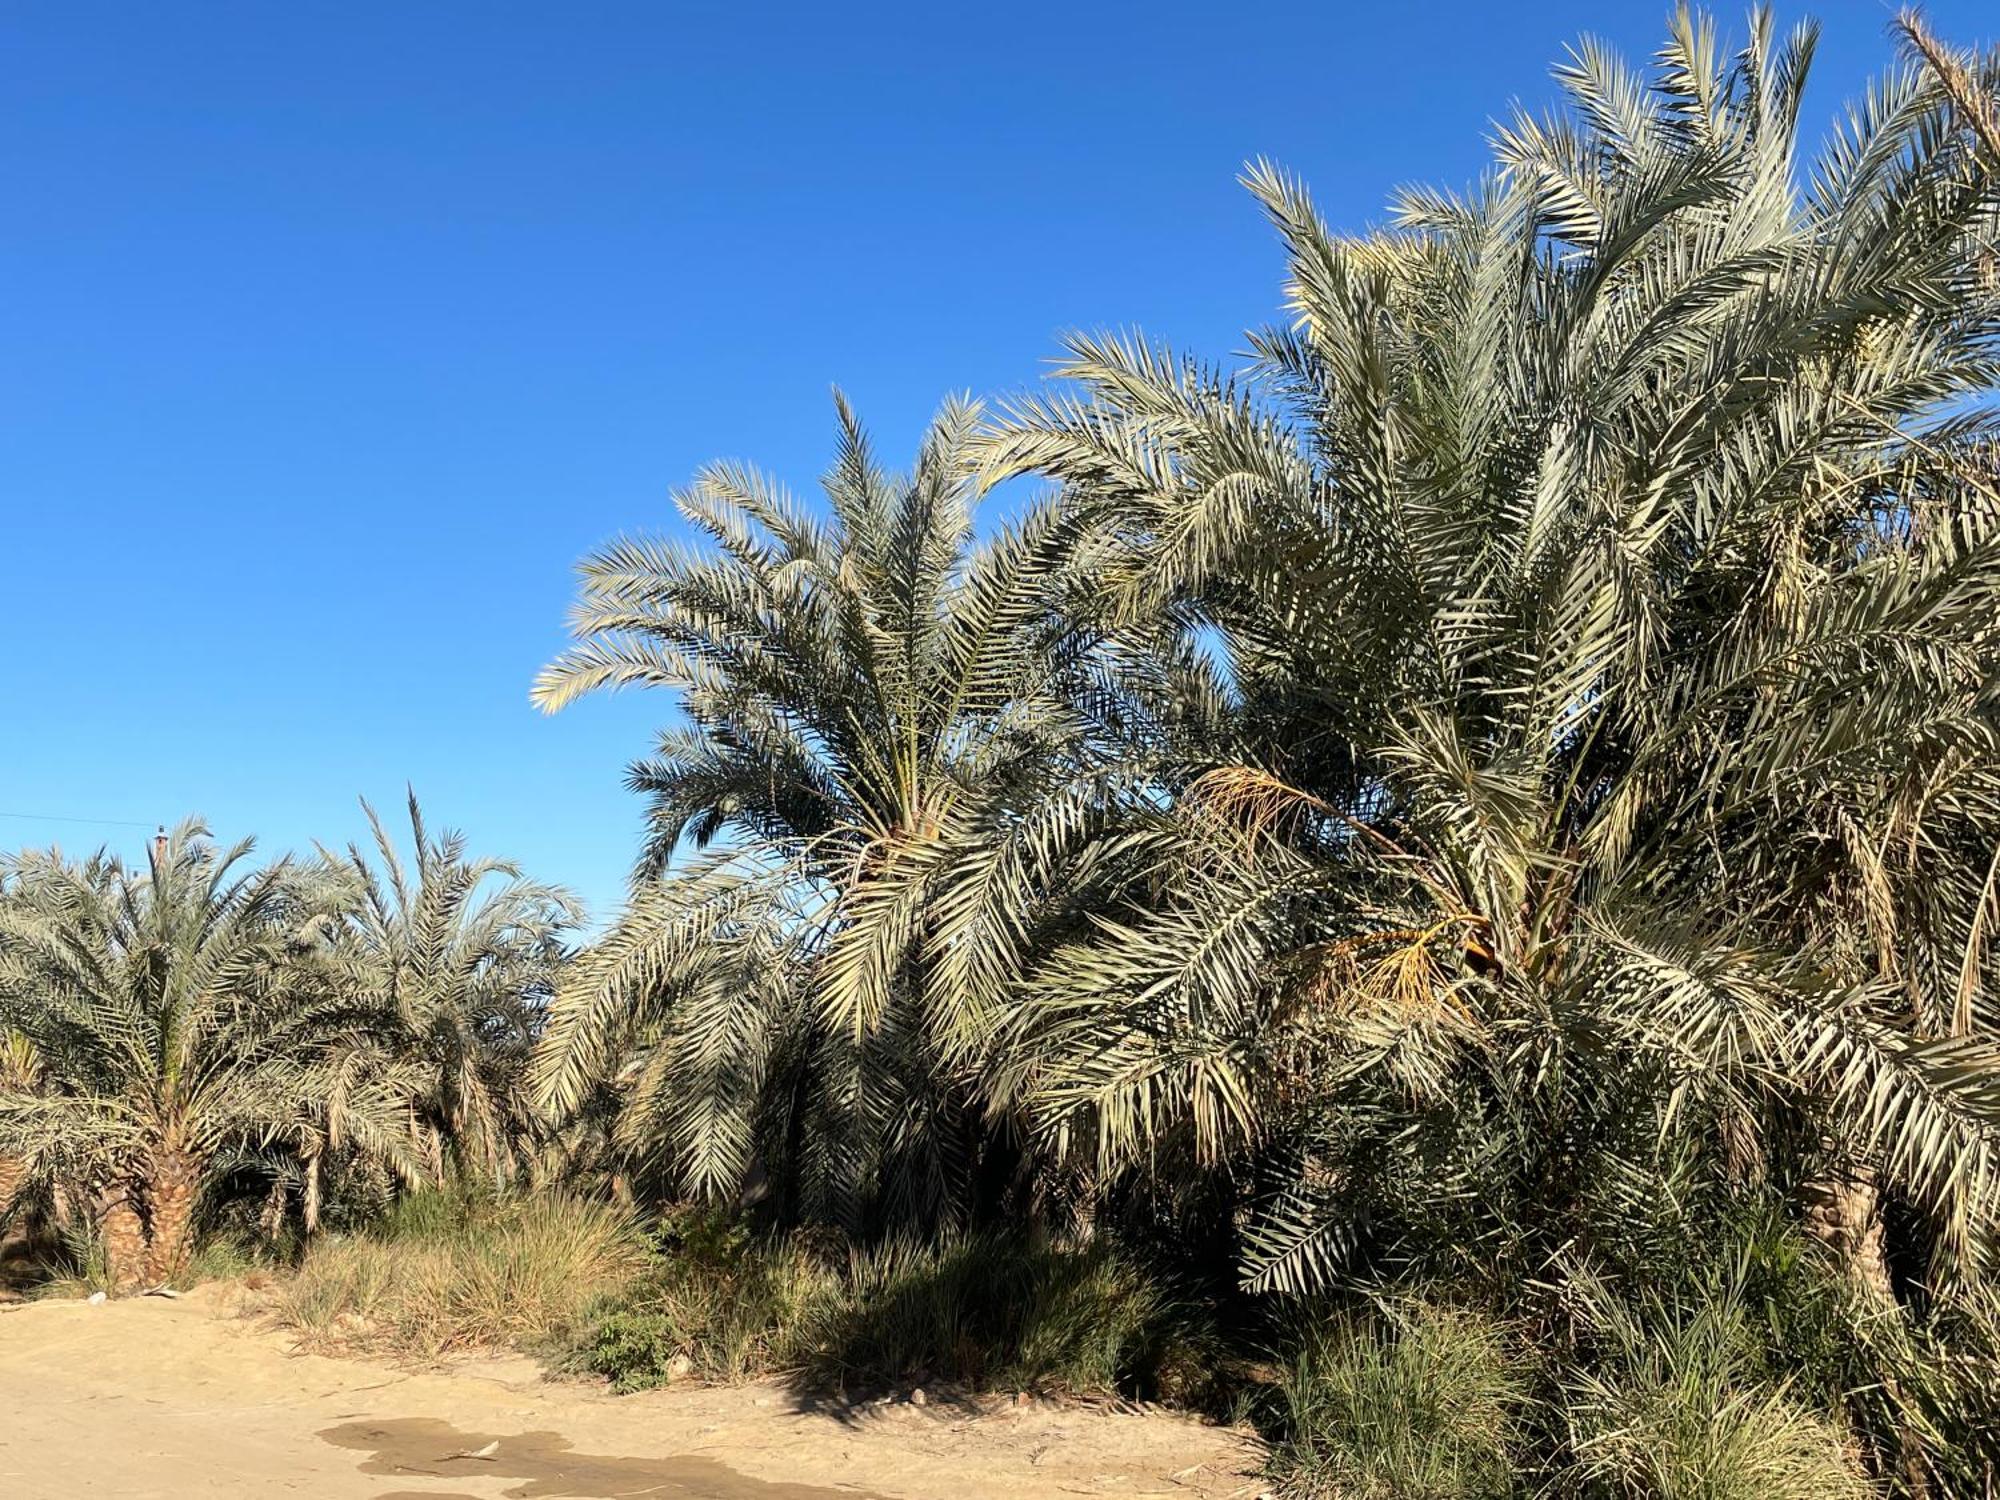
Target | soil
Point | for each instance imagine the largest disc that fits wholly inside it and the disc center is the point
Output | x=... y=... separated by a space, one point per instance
x=152 y=1399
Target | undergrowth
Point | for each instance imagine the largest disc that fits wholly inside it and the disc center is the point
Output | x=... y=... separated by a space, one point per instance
x=1735 y=1378
x=979 y=1314
x=73 y=1265
x=1416 y=1401
x=699 y=1298
x=453 y=1270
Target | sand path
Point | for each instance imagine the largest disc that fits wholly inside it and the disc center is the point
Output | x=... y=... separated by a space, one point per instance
x=165 y=1400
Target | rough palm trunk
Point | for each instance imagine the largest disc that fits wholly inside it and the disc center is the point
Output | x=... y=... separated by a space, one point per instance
x=73 y=1210
x=170 y=1193
x=124 y=1237
x=1845 y=1214
x=13 y=1177
x=271 y=1218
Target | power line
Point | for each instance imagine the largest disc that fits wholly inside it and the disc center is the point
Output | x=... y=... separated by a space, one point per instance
x=58 y=818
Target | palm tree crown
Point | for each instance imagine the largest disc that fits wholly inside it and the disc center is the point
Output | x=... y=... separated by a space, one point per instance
x=870 y=697
x=1594 y=592
x=460 y=968
x=185 y=1020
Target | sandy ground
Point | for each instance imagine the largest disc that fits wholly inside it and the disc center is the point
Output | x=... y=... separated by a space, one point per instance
x=154 y=1398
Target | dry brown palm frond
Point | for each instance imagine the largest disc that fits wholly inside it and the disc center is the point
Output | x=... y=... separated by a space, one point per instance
x=1256 y=807
x=1350 y=975
x=1252 y=798
x=1968 y=98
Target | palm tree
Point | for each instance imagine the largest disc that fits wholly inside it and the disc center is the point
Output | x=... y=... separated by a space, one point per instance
x=1577 y=640
x=461 y=970
x=185 y=1018
x=871 y=698
x=20 y=1074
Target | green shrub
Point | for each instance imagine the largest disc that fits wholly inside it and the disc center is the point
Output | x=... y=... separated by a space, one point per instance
x=1418 y=1402
x=988 y=1313
x=636 y=1350
x=1671 y=1398
x=978 y=1314
x=712 y=1306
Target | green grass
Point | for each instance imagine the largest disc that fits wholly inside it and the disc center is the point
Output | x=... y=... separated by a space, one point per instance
x=712 y=1306
x=1643 y=1392
x=700 y=1299
x=1640 y=1391
x=1417 y=1402
x=992 y=1314
x=1677 y=1400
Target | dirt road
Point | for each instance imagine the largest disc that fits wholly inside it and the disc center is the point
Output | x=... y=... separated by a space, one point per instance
x=158 y=1400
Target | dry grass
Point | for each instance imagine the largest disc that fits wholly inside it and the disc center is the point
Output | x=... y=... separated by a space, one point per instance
x=74 y=1266
x=447 y=1272
x=577 y=1281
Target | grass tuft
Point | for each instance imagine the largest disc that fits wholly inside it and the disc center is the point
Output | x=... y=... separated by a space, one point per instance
x=1419 y=1402
x=1677 y=1402
x=446 y=1271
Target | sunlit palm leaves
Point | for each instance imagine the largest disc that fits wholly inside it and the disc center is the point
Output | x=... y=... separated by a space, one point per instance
x=184 y=1019
x=1608 y=562
x=459 y=956
x=876 y=701
x=1529 y=738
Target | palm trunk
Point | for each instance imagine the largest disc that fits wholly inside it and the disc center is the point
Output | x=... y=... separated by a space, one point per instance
x=1845 y=1214
x=13 y=1177
x=124 y=1237
x=170 y=1193
x=271 y=1218
x=73 y=1210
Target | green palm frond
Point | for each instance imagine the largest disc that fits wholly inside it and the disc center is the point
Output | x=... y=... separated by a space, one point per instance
x=179 y=1016
x=1615 y=538
x=454 y=958
x=873 y=701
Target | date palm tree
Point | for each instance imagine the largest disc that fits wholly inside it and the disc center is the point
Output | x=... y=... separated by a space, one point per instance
x=460 y=955
x=20 y=1074
x=183 y=1016
x=870 y=697
x=1579 y=637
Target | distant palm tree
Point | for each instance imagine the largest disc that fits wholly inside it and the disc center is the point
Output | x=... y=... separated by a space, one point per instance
x=871 y=698
x=461 y=968
x=20 y=1073
x=1584 y=629
x=183 y=1017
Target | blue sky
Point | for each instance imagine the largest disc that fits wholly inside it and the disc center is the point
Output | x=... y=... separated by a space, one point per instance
x=333 y=335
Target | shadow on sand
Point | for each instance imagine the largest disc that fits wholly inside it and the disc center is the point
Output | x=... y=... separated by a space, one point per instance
x=547 y=1466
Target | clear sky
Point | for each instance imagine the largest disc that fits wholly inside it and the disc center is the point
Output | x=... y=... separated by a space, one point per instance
x=334 y=334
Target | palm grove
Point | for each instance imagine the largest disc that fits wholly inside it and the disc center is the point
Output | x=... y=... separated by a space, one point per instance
x=1486 y=819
